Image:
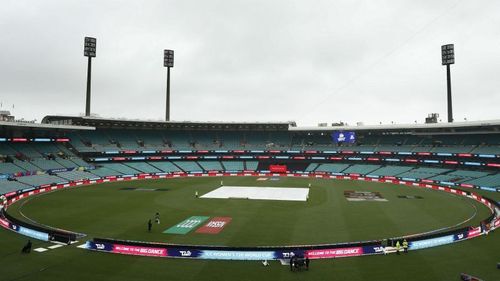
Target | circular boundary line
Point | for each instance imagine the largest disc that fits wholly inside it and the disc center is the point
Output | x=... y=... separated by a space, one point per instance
x=335 y=250
x=442 y=229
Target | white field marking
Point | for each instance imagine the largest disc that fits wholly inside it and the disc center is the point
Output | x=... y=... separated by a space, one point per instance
x=40 y=250
x=259 y=193
x=82 y=246
x=61 y=243
x=55 y=246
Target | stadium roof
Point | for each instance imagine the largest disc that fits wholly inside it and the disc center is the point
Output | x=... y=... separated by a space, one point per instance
x=32 y=125
x=487 y=126
x=151 y=124
x=484 y=126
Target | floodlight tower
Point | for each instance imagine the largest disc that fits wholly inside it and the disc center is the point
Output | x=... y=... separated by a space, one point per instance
x=448 y=58
x=168 y=62
x=89 y=51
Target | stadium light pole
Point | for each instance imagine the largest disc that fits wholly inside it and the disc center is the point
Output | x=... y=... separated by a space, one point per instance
x=168 y=62
x=89 y=51
x=448 y=58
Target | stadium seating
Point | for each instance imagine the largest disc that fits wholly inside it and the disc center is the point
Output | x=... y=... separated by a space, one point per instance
x=76 y=175
x=38 y=180
x=423 y=173
x=79 y=162
x=26 y=149
x=391 y=170
x=453 y=149
x=105 y=172
x=332 y=168
x=487 y=150
x=46 y=164
x=167 y=167
x=29 y=157
x=361 y=169
x=26 y=165
x=123 y=169
x=188 y=166
x=142 y=167
x=211 y=165
x=234 y=165
x=488 y=181
x=9 y=186
x=311 y=167
x=469 y=174
x=251 y=165
x=10 y=168
x=6 y=150
x=112 y=140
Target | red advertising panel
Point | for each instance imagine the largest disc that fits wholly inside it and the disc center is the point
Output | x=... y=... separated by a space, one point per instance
x=474 y=232
x=334 y=253
x=215 y=225
x=139 y=251
x=4 y=223
x=277 y=168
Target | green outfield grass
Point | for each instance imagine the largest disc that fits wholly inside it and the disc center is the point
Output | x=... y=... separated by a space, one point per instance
x=108 y=211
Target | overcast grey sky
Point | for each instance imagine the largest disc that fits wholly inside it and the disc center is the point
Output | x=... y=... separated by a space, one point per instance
x=307 y=61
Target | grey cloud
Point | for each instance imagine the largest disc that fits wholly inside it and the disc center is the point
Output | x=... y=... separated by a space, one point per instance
x=310 y=61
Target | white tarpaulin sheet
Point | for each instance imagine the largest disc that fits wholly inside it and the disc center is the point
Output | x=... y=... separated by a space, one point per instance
x=259 y=193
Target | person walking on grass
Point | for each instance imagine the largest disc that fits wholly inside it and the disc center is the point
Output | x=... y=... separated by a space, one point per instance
x=398 y=247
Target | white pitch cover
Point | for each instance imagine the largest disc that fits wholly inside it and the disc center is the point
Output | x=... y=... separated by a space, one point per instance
x=259 y=193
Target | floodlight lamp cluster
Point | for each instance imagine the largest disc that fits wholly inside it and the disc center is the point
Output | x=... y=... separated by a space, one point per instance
x=168 y=58
x=447 y=54
x=89 y=47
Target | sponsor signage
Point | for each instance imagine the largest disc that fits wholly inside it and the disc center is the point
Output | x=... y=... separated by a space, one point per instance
x=334 y=253
x=186 y=225
x=474 y=232
x=237 y=255
x=215 y=225
x=184 y=253
x=428 y=243
x=139 y=251
x=31 y=233
x=4 y=223
x=277 y=168
x=371 y=250
x=461 y=235
x=107 y=247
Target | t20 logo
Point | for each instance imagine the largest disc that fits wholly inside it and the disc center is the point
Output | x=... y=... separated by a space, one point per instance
x=185 y=253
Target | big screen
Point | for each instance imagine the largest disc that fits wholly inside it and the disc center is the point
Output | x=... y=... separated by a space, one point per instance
x=344 y=137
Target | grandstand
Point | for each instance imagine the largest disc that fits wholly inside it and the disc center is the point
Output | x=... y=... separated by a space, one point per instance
x=416 y=152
